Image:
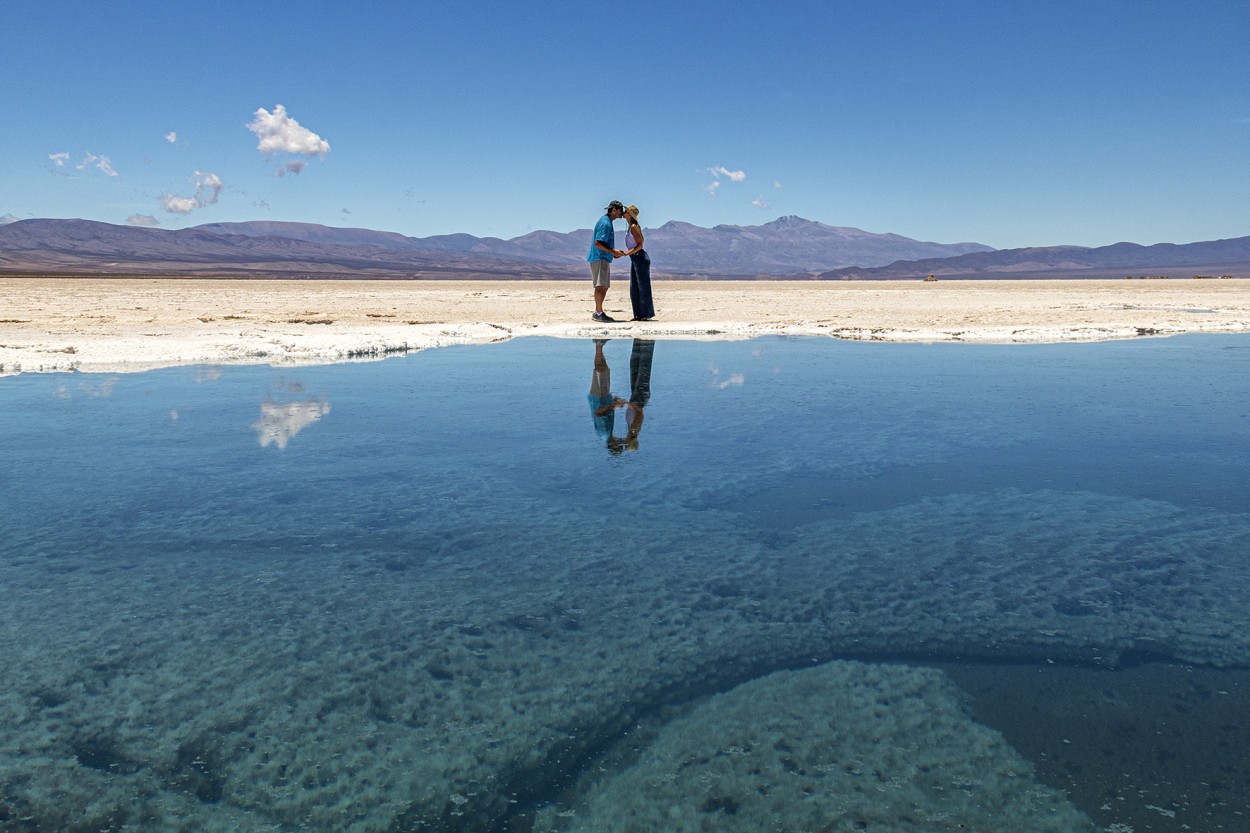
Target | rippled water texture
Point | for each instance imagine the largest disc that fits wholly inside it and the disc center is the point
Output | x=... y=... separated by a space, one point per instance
x=783 y=584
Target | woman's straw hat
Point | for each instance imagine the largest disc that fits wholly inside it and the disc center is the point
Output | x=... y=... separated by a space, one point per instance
x=632 y=210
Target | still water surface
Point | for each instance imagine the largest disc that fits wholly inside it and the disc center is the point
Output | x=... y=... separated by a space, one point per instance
x=782 y=584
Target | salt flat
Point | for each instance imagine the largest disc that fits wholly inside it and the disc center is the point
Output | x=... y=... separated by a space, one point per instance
x=121 y=324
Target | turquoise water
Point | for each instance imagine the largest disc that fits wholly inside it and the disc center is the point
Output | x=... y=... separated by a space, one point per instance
x=795 y=584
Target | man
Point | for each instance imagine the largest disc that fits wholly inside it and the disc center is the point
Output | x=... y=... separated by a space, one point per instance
x=602 y=252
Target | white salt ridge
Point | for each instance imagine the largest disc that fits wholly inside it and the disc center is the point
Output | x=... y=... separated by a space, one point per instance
x=120 y=325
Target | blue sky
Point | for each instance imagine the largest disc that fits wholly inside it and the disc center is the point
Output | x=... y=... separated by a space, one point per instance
x=1010 y=124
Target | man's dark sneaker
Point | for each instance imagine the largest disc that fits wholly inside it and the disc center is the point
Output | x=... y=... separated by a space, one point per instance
x=603 y=317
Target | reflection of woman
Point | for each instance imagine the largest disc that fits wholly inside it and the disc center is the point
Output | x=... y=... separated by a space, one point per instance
x=640 y=389
x=639 y=269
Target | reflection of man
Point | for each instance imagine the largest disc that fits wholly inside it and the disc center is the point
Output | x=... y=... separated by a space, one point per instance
x=602 y=252
x=603 y=403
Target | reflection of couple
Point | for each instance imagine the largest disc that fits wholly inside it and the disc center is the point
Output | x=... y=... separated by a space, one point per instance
x=603 y=403
x=603 y=251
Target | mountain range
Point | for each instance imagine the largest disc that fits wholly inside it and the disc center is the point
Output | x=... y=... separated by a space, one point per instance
x=788 y=247
x=1214 y=257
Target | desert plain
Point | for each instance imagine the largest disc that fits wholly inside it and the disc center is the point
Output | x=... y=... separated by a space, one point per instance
x=132 y=324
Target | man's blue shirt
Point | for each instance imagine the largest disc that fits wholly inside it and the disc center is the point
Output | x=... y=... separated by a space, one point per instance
x=604 y=233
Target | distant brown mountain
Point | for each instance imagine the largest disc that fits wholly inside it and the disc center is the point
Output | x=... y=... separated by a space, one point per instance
x=790 y=246
x=1215 y=258
x=86 y=247
x=787 y=247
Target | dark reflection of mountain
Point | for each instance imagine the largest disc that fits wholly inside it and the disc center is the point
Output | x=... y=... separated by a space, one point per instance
x=604 y=403
x=280 y=421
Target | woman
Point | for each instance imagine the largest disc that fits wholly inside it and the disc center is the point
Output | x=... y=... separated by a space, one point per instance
x=639 y=269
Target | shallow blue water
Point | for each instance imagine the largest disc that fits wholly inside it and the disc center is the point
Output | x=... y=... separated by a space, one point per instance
x=820 y=428
x=250 y=567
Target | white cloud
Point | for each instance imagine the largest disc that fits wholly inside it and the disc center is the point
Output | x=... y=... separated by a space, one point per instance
x=721 y=171
x=102 y=163
x=732 y=176
x=207 y=189
x=178 y=205
x=279 y=133
x=297 y=167
x=759 y=203
x=171 y=137
x=208 y=186
x=144 y=220
x=59 y=159
x=8 y=218
x=777 y=184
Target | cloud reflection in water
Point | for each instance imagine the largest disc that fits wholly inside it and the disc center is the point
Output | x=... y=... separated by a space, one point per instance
x=280 y=421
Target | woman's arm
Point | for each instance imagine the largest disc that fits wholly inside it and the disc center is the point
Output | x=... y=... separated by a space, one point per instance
x=636 y=231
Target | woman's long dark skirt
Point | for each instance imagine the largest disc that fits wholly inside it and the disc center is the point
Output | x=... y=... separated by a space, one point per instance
x=640 y=285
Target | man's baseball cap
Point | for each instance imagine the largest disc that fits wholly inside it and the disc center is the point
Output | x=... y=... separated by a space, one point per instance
x=617 y=205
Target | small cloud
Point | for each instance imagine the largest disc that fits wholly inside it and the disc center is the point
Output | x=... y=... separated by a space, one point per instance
x=101 y=163
x=171 y=137
x=346 y=211
x=777 y=184
x=178 y=205
x=8 y=218
x=143 y=220
x=759 y=203
x=297 y=167
x=277 y=132
x=721 y=171
x=207 y=189
x=732 y=176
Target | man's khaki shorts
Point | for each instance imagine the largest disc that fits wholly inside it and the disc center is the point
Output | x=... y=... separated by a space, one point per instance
x=601 y=272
